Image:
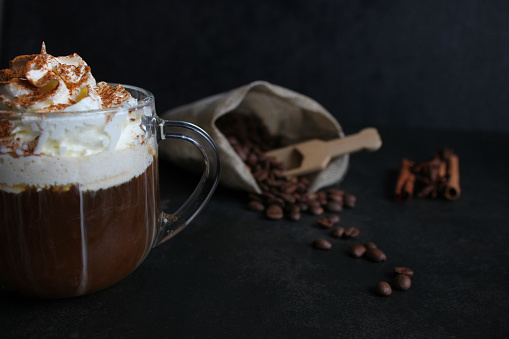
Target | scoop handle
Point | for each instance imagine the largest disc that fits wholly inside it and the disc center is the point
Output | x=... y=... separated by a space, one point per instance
x=366 y=139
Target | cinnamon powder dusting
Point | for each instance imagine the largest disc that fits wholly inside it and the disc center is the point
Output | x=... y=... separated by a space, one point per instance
x=5 y=128
x=113 y=96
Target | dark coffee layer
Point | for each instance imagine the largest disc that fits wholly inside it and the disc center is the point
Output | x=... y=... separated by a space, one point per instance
x=63 y=243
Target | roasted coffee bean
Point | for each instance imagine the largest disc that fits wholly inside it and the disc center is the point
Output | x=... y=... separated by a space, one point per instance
x=375 y=255
x=335 y=191
x=272 y=182
x=322 y=199
x=310 y=196
x=304 y=180
x=252 y=159
x=334 y=218
x=404 y=270
x=349 y=200
x=357 y=251
x=295 y=216
x=316 y=210
x=240 y=151
x=287 y=197
x=383 y=289
x=402 y=282
x=302 y=188
x=294 y=213
x=267 y=195
x=334 y=206
x=264 y=187
x=290 y=187
x=276 y=201
x=338 y=232
x=336 y=198
x=324 y=223
x=255 y=205
x=321 y=195
x=274 y=212
x=314 y=203
x=351 y=232
x=261 y=175
x=322 y=244
x=369 y=245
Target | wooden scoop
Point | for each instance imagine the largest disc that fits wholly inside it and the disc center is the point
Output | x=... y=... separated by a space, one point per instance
x=314 y=155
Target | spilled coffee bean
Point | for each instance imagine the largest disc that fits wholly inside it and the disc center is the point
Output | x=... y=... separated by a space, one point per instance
x=402 y=282
x=274 y=212
x=404 y=270
x=334 y=218
x=375 y=255
x=255 y=205
x=294 y=214
x=333 y=206
x=349 y=200
x=357 y=251
x=322 y=244
x=338 y=232
x=383 y=289
x=317 y=210
x=351 y=232
x=369 y=245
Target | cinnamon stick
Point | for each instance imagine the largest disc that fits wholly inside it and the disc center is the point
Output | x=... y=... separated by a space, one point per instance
x=452 y=185
x=405 y=184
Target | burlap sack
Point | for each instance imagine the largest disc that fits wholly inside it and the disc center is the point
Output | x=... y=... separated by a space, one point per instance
x=284 y=112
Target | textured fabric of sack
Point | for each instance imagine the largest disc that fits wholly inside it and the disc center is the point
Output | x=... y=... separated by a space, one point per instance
x=285 y=113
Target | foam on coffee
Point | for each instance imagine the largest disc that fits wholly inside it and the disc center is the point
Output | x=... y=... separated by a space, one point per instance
x=95 y=172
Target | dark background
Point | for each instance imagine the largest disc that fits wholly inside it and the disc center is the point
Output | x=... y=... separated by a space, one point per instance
x=431 y=64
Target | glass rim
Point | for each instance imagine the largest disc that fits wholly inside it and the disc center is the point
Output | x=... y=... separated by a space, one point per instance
x=149 y=98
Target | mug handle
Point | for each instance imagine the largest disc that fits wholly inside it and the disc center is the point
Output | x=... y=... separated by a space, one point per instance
x=173 y=223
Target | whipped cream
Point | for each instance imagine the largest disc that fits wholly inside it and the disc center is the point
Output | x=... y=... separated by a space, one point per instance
x=44 y=83
x=72 y=135
x=66 y=129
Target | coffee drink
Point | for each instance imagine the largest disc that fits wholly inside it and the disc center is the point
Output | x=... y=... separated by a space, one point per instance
x=73 y=242
x=79 y=190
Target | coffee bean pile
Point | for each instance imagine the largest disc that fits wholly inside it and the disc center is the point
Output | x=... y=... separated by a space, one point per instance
x=322 y=244
x=289 y=196
x=281 y=195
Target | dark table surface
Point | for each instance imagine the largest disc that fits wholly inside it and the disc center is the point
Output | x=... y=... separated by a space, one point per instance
x=233 y=273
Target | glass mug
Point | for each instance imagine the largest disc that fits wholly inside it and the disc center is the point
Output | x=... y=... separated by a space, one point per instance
x=78 y=223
